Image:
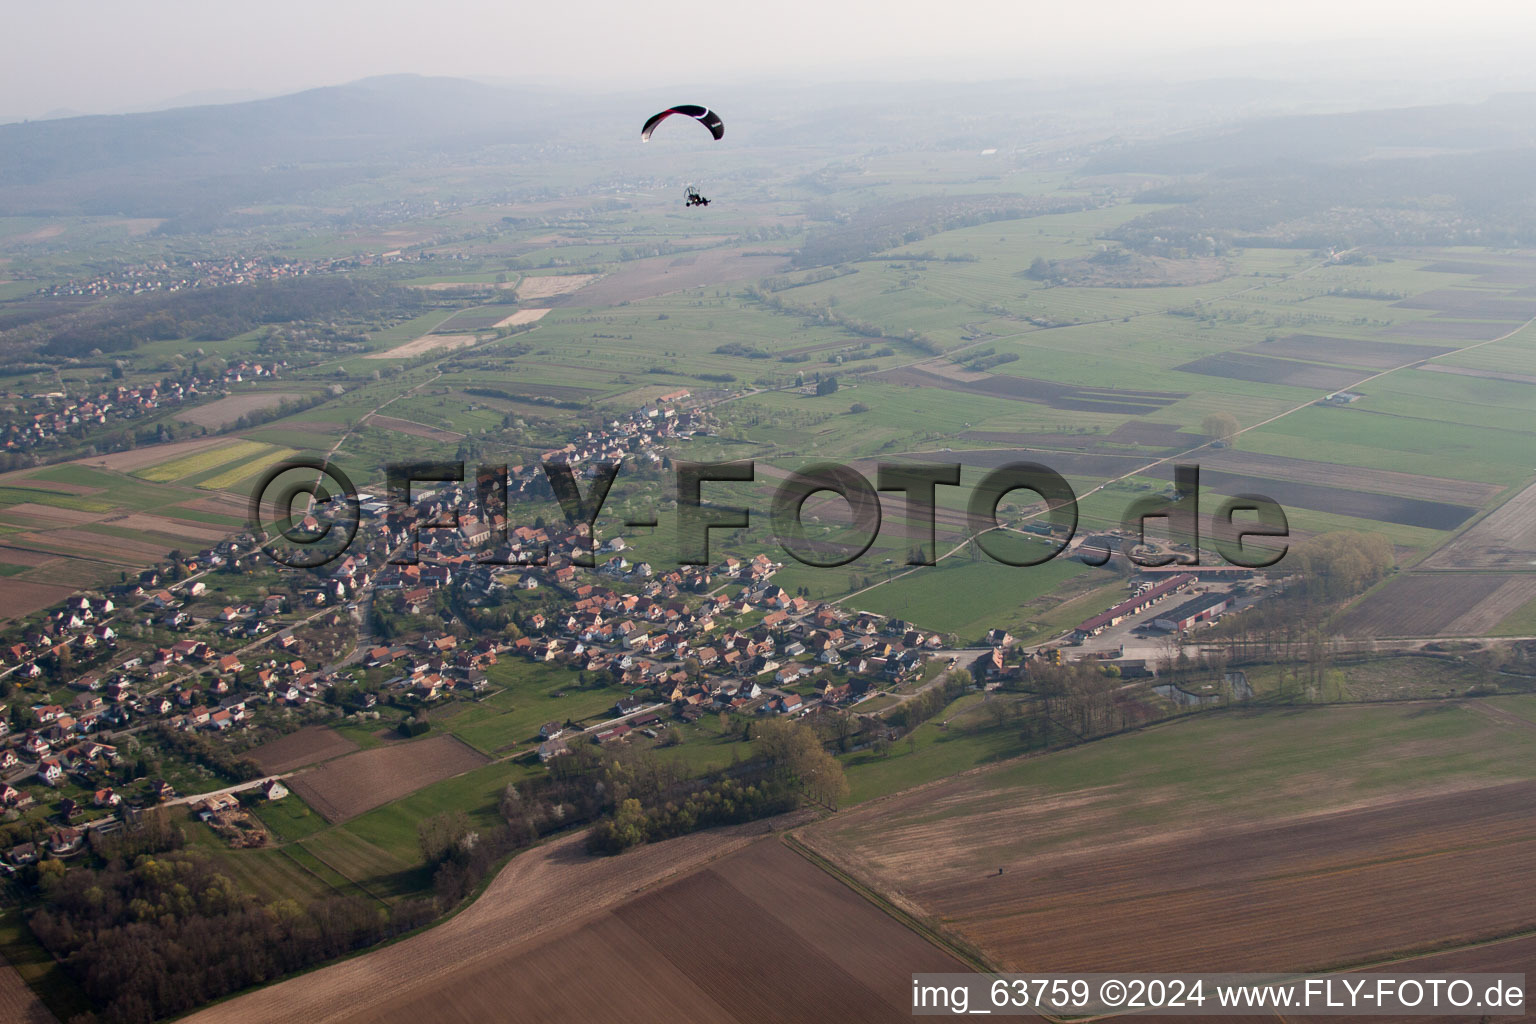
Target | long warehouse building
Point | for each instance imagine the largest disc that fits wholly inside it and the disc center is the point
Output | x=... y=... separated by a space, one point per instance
x=1125 y=609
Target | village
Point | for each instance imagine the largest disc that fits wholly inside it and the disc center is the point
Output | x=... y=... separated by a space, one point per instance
x=46 y=419
x=680 y=643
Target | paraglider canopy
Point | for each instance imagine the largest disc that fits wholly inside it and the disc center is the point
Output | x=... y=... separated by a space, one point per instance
x=708 y=118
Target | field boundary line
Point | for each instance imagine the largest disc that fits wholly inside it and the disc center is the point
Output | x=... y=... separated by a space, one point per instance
x=283 y=849
x=359 y=886
x=954 y=947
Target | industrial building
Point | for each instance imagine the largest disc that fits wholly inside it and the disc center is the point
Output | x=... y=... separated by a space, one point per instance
x=1206 y=606
x=1125 y=609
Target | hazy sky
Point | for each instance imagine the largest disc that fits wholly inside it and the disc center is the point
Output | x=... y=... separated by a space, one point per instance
x=92 y=56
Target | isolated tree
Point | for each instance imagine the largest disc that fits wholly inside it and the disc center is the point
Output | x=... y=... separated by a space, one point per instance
x=1219 y=426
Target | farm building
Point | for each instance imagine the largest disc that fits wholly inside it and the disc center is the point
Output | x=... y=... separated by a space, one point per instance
x=1190 y=612
x=1125 y=609
x=615 y=732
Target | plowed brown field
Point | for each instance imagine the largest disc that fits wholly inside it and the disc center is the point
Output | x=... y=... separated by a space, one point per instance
x=718 y=945
x=1397 y=876
x=545 y=943
x=1505 y=539
x=348 y=786
x=18 y=1003
x=297 y=749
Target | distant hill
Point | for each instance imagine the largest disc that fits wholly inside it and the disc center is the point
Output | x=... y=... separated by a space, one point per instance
x=127 y=163
x=1504 y=123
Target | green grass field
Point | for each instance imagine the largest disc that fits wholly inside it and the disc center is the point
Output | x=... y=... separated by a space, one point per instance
x=290 y=818
x=510 y=719
x=968 y=598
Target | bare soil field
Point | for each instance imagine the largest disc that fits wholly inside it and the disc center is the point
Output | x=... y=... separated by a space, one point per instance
x=1375 y=355
x=297 y=749
x=43 y=233
x=541 y=896
x=170 y=527
x=1449 y=330
x=411 y=427
x=663 y=275
x=1430 y=604
x=22 y=597
x=1472 y=303
x=1152 y=435
x=1264 y=370
x=545 y=287
x=1324 y=890
x=227 y=410
x=219 y=505
x=25 y=556
x=20 y=478
x=348 y=786
x=424 y=344
x=1512 y=595
x=1504 y=539
x=1160 y=437
x=693 y=951
x=97 y=547
x=1328 y=474
x=1512 y=271
x=1084 y=464
x=1467 y=371
x=139 y=458
x=1507 y=956
x=31 y=514
x=522 y=316
x=18 y=1003
x=1339 y=501
x=1043 y=392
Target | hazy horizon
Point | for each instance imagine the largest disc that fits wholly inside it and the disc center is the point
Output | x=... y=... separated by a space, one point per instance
x=191 y=54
